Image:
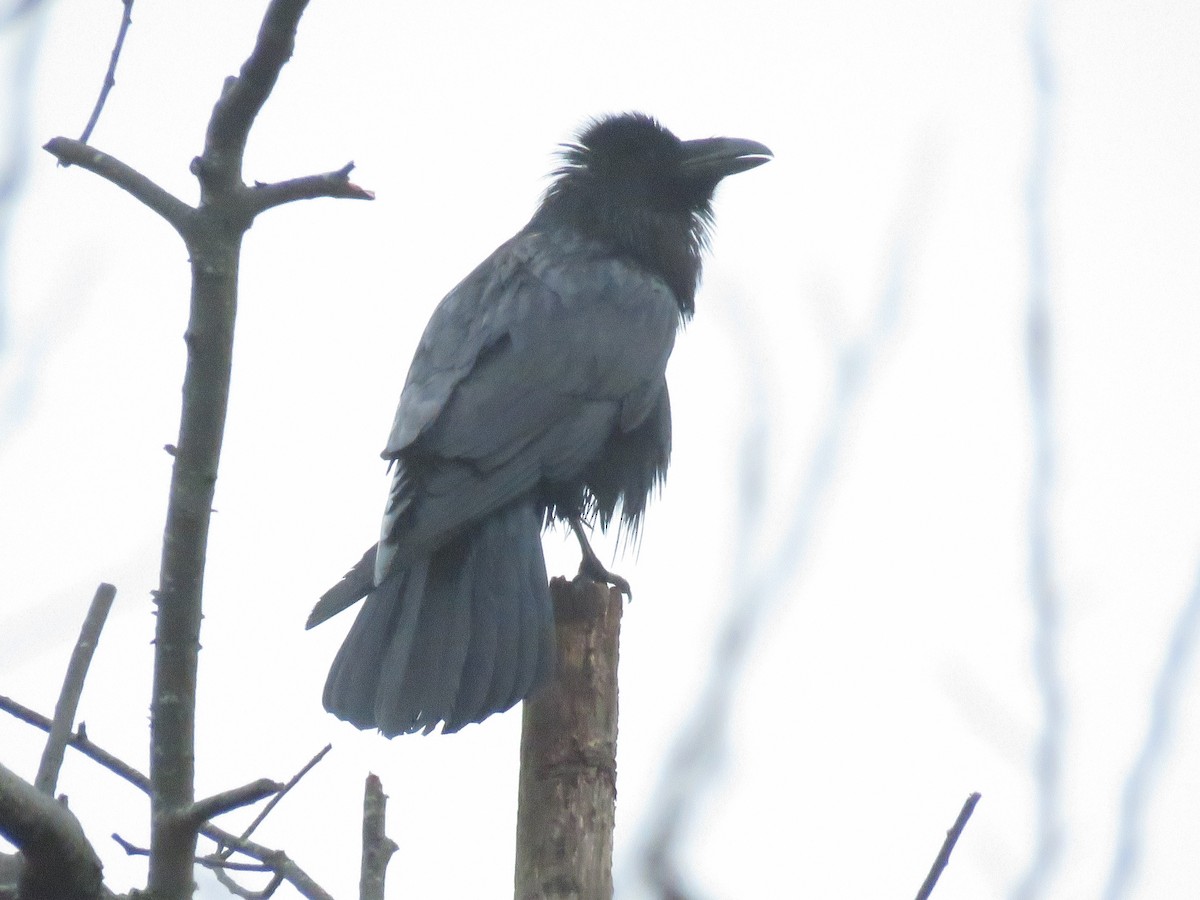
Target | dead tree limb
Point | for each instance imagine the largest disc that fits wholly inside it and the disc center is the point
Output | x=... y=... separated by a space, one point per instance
x=377 y=847
x=568 y=782
x=59 y=863
x=226 y=801
x=276 y=860
x=72 y=689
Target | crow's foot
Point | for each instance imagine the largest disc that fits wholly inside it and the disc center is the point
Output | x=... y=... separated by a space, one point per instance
x=590 y=565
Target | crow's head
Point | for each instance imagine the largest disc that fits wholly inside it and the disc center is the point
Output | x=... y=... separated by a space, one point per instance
x=628 y=181
x=634 y=159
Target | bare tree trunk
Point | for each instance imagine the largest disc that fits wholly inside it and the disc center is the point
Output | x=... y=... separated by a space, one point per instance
x=568 y=785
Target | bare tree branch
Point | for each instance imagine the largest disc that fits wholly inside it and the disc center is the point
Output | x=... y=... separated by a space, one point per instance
x=72 y=689
x=331 y=184
x=377 y=847
x=943 y=857
x=69 y=152
x=277 y=860
x=213 y=233
x=246 y=893
x=295 y=779
x=214 y=248
x=226 y=801
x=79 y=742
x=214 y=863
x=220 y=167
x=110 y=77
x=60 y=864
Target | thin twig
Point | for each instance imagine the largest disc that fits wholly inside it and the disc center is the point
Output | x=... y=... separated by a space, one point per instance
x=943 y=857
x=209 y=862
x=72 y=689
x=377 y=847
x=130 y=849
x=237 y=890
x=295 y=779
x=279 y=861
x=216 y=864
x=329 y=184
x=79 y=742
x=110 y=77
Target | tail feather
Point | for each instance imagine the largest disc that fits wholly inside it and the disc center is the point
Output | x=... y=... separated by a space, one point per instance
x=382 y=630
x=479 y=671
x=453 y=638
x=537 y=628
x=355 y=585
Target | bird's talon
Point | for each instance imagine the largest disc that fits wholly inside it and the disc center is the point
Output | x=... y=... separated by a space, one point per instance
x=600 y=575
x=590 y=566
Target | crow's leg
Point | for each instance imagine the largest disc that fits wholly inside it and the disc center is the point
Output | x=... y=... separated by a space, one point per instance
x=591 y=567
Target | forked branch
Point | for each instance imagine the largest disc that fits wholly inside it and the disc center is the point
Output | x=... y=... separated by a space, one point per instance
x=213 y=232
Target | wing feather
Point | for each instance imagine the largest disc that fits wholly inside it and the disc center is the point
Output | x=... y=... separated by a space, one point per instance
x=525 y=371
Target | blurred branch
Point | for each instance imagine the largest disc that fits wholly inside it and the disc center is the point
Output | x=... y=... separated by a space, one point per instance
x=17 y=81
x=701 y=743
x=110 y=77
x=59 y=863
x=276 y=860
x=72 y=689
x=19 y=10
x=943 y=857
x=377 y=847
x=1048 y=831
x=1139 y=783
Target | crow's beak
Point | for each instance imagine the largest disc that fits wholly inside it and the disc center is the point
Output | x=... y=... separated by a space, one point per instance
x=720 y=156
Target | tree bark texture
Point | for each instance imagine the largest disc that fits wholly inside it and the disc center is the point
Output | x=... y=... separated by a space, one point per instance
x=568 y=782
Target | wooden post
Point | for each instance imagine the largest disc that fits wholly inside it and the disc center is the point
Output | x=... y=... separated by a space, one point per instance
x=568 y=784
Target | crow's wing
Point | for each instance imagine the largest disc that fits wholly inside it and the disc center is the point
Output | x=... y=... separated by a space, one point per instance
x=524 y=372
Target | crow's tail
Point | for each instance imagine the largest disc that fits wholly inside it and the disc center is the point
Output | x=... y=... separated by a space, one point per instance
x=452 y=638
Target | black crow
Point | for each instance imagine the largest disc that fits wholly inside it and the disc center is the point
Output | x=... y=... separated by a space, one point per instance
x=537 y=393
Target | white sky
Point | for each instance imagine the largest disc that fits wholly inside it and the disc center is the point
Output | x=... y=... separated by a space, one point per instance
x=894 y=673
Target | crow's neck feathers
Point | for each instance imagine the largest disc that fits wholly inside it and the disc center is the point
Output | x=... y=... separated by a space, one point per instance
x=622 y=183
